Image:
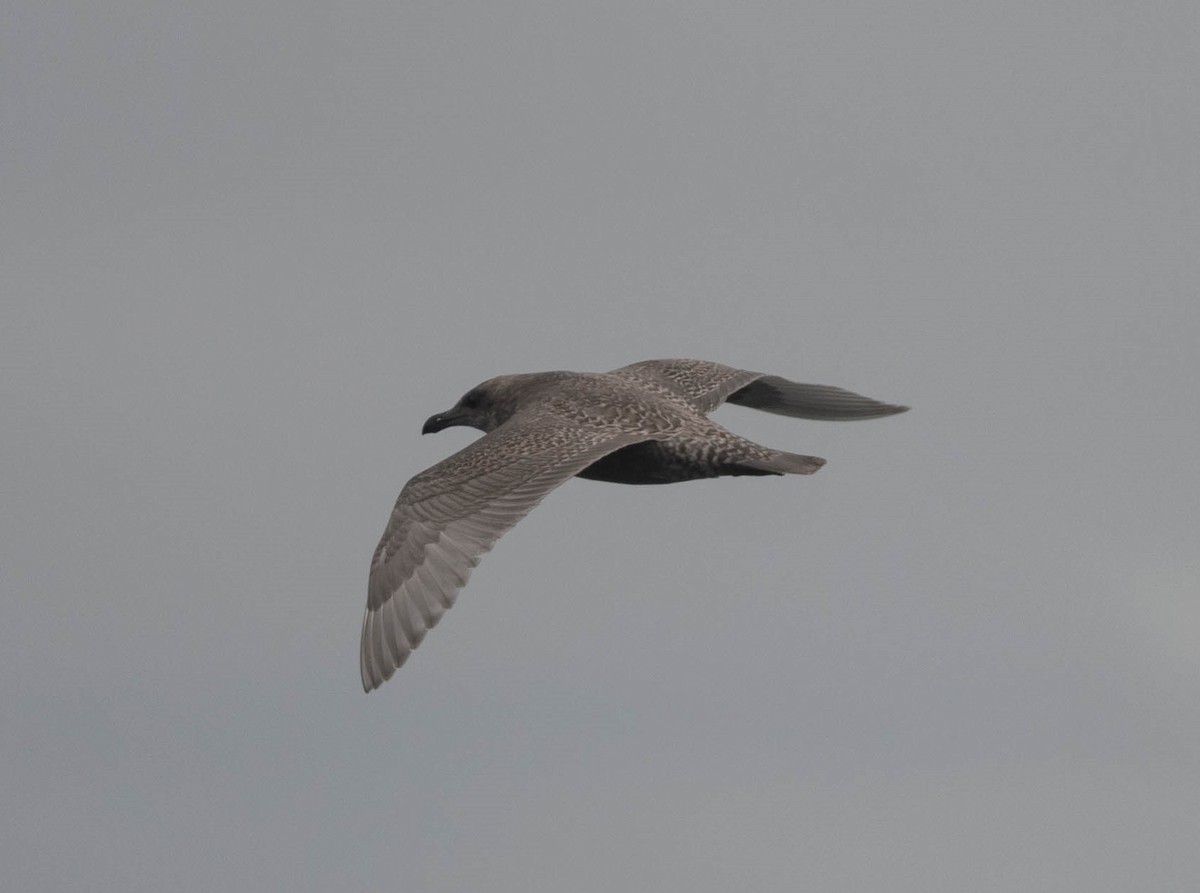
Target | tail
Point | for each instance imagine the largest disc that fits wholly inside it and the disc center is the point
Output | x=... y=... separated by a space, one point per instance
x=779 y=462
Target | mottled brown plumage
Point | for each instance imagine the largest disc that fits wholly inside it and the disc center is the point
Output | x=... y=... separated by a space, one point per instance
x=640 y=424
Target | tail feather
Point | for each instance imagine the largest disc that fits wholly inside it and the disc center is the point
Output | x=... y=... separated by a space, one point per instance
x=780 y=462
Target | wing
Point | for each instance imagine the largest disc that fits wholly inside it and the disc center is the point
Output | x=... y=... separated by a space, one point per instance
x=702 y=384
x=771 y=393
x=707 y=385
x=448 y=516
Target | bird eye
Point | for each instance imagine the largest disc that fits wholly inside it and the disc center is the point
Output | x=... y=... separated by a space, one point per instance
x=471 y=400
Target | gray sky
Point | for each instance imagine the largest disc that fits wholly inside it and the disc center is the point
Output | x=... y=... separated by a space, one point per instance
x=247 y=248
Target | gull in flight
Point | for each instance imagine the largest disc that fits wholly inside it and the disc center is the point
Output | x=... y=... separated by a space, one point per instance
x=646 y=423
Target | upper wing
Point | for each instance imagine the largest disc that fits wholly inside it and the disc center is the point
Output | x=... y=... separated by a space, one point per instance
x=449 y=515
x=707 y=385
x=702 y=384
x=810 y=401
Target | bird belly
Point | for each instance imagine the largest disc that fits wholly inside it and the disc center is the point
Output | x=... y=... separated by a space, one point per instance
x=654 y=462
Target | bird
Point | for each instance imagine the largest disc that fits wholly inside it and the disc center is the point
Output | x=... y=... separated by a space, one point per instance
x=645 y=423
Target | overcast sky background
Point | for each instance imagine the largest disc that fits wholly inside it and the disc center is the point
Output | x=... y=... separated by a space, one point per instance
x=248 y=247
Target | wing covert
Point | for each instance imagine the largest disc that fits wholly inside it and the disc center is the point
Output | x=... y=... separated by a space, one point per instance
x=703 y=384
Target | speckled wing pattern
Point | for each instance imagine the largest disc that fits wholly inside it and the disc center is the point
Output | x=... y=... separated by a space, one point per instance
x=448 y=516
x=705 y=386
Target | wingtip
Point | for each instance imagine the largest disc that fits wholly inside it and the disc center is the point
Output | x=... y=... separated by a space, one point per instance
x=364 y=670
